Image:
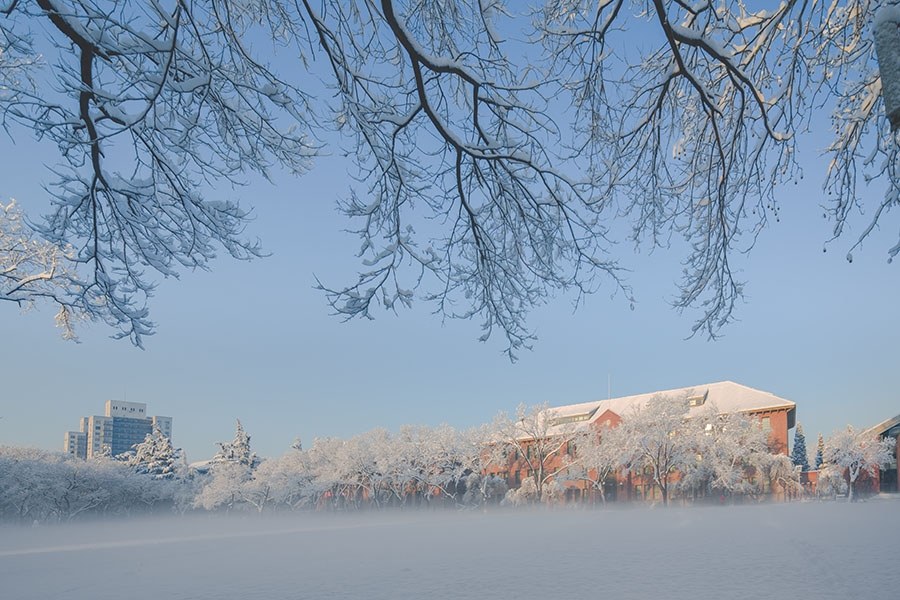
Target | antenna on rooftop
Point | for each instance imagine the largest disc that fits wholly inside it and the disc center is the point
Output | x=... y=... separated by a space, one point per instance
x=608 y=386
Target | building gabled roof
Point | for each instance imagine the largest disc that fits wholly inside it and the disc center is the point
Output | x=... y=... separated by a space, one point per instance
x=884 y=426
x=728 y=397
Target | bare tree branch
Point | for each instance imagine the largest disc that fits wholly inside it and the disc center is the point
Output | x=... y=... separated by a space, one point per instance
x=493 y=172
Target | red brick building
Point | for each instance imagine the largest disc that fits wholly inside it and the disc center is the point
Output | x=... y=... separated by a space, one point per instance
x=885 y=480
x=777 y=415
x=887 y=477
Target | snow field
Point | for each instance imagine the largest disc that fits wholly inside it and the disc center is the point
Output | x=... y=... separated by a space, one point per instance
x=810 y=550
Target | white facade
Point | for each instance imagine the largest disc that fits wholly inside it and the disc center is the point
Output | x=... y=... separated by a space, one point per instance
x=164 y=424
x=99 y=432
x=123 y=425
x=129 y=410
x=75 y=444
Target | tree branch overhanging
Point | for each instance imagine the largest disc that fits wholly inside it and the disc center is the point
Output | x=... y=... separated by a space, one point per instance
x=475 y=190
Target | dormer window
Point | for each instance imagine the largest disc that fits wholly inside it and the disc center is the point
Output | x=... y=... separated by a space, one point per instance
x=698 y=400
x=577 y=418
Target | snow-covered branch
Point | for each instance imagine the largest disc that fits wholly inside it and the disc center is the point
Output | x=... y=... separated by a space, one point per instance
x=498 y=150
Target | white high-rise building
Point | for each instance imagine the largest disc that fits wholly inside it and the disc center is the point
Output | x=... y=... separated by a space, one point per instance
x=122 y=425
x=76 y=444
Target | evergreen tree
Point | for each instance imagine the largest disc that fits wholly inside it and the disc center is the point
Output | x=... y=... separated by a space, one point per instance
x=798 y=455
x=238 y=450
x=154 y=456
x=820 y=452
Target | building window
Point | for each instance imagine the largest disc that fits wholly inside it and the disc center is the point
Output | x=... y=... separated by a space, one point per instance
x=766 y=424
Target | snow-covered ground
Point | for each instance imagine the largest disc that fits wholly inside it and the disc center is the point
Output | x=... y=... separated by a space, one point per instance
x=829 y=550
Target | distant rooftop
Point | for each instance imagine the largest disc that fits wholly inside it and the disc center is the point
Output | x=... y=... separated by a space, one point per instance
x=885 y=426
x=727 y=396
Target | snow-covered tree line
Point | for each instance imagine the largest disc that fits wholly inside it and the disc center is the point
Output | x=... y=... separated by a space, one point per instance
x=40 y=486
x=657 y=445
x=501 y=150
x=417 y=466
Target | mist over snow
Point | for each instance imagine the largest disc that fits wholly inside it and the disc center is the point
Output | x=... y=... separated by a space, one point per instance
x=800 y=550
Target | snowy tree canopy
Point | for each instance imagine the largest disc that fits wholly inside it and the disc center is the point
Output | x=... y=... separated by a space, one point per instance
x=687 y=455
x=38 y=486
x=154 y=456
x=237 y=451
x=232 y=479
x=731 y=449
x=33 y=270
x=662 y=439
x=527 y=130
x=857 y=453
x=601 y=453
x=533 y=443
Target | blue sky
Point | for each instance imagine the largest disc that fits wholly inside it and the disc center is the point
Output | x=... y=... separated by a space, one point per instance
x=255 y=341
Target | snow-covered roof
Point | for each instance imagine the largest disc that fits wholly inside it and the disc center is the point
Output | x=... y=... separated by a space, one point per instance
x=884 y=426
x=201 y=466
x=728 y=397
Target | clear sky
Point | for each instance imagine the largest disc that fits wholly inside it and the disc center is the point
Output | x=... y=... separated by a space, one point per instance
x=255 y=341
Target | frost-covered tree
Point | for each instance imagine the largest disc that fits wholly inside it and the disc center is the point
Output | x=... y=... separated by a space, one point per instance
x=285 y=482
x=34 y=270
x=238 y=450
x=155 y=456
x=489 y=169
x=222 y=488
x=354 y=472
x=781 y=471
x=437 y=462
x=600 y=454
x=533 y=442
x=147 y=103
x=482 y=490
x=104 y=453
x=831 y=482
x=262 y=488
x=336 y=473
x=856 y=453
x=662 y=440
x=798 y=453
x=230 y=470
x=39 y=486
x=732 y=450
x=820 y=452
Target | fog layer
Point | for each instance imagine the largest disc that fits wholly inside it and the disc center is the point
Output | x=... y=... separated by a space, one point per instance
x=828 y=550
